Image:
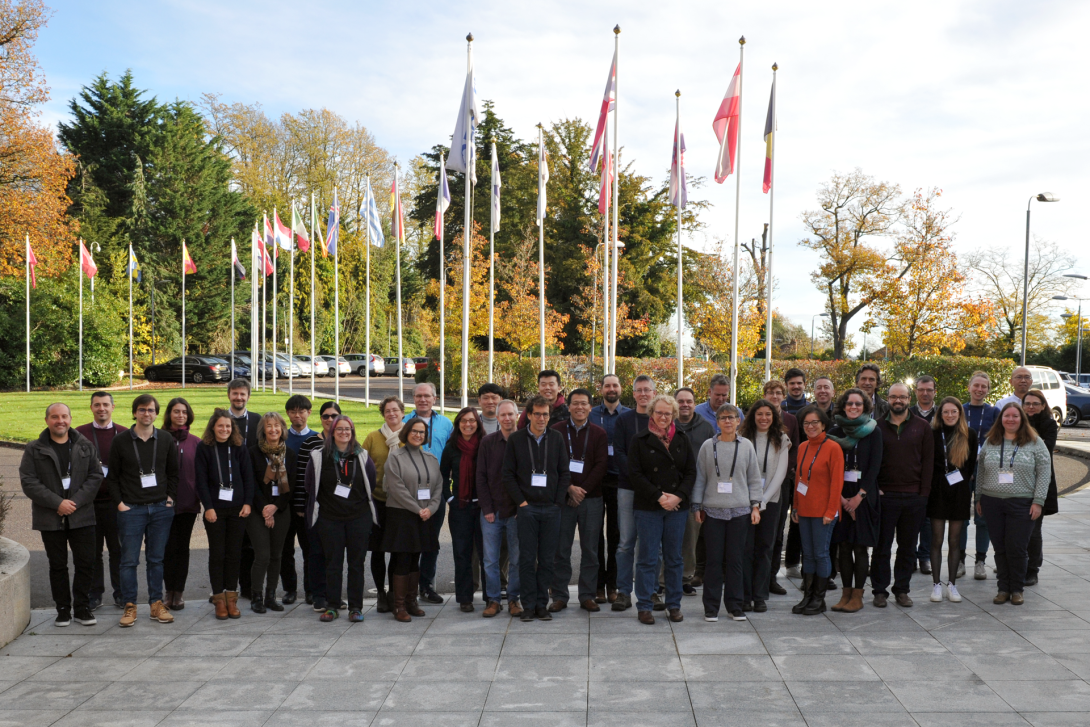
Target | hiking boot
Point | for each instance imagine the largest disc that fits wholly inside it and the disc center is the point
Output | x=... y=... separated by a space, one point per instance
x=129 y=617
x=160 y=613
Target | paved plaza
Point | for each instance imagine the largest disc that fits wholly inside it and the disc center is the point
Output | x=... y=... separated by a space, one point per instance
x=944 y=664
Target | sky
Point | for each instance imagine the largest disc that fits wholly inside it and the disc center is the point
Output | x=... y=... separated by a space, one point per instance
x=983 y=99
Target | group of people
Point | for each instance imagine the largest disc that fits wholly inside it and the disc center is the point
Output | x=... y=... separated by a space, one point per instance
x=666 y=497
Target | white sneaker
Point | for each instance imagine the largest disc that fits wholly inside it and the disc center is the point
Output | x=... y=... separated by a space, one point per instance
x=936 y=593
x=952 y=594
x=980 y=571
x=961 y=569
x=794 y=572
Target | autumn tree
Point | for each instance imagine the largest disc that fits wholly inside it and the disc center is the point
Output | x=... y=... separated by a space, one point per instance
x=518 y=319
x=589 y=306
x=711 y=316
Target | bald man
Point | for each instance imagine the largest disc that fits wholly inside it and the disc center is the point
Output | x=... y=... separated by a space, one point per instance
x=1021 y=382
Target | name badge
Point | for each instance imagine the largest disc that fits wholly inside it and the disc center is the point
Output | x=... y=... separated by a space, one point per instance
x=423 y=493
x=762 y=483
x=954 y=477
x=1006 y=478
x=148 y=481
x=609 y=449
x=726 y=488
x=538 y=480
x=851 y=476
x=105 y=470
x=66 y=482
x=276 y=491
x=227 y=494
x=342 y=491
x=576 y=466
x=801 y=489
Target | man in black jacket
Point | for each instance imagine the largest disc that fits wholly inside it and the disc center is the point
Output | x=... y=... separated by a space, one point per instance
x=60 y=474
x=248 y=422
x=536 y=477
x=629 y=424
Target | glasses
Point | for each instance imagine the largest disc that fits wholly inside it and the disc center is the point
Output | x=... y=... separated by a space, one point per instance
x=540 y=414
x=853 y=405
x=643 y=390
x=417 y=433
x=342 y=430
x=811 y=425
x=327 y=417
x=899 y=398
x=728 y=417
x=1027 y=404
x=147 y=411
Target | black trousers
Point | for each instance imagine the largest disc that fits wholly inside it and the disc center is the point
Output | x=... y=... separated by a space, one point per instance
x=1036 y=548
x=268 y=546
x=777 y=547
x=246 y=564
x=1010 y=528
x=465 y=534
x=289 y=578
x=106 y=535
x=176 y=555
x=609 y=537
x=726 y=542
x=539 y=535
x=757 y=562
x=82 y=542
x=344 y=540
x=225 y=549
x=900 y=521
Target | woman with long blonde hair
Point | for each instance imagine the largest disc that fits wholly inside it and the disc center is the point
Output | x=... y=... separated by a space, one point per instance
x=951 y=491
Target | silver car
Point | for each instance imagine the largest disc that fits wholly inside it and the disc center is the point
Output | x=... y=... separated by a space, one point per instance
x=321 y=368
x=343 y=367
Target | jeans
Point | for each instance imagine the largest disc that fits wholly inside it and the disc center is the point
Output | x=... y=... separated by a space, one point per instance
x=341 y=540
x=725 y=542
x=816 y=536
x=147 y=525
x=106 y=534
x=493 y=535
x=626 y=543
x=465 y=533
x=659 y=531
x=82 y=542
x=539 y=531
x=587 y=516
x=1011 y=528
x=429 y=561
x=289 y=578
x=268 y=550
x=225 y=549
x=176 y=555
x=777 y=547
x=757 y=561
x=1036 y=548
x=900 y=521
x=923 y=549
x=609 y=535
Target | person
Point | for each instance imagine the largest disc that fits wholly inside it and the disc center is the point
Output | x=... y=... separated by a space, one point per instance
x=1013 y=472
x=1040 y=418
x=824 y=394
x=697 y=429
x=605 y=415
x=143 y=482
x=238 y=393
x=857 y=434
x=498 y=514
x=274 y=466
x=980 y=416
x=489 y=396
x=177 y=419
x=309 y=542
x=439 y=431
x=379 y=444
x=763 y=429
x=869 y=378
x=795 y=379
x=819 y=482
x=775 y=392
x=718 y=395
x=904 y=484
x=662 y=473
x=536 y=476
x=414 y=490
x=951 y=495
x=60 y=474
x=548 y=387
x=925 y=409
x=458 y=468
x=225 y=484
x=102 y=430
x=628 y=426
x=582 y=508
x=1021 y=382
x=298 y=408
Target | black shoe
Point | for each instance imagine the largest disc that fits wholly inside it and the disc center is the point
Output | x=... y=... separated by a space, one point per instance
x=816 y=604
x=542 y=614
x=747 y=605
x=289 y=597
x=527 y=615
x=319 y=605
x=64 y=617
x=271 y=603
x=94 y=603
x=119 y=603
x=760 y=606
x=688 y=590
x=308 y=598
x=775 y=587
x=257 y=604
x=85 y=617
x=1031 y=580
x=430 y=595
x=925 y=567
x=623 y=602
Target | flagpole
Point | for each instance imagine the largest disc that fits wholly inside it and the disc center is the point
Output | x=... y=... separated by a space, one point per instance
x=264 y=315
x=680 y=185
x=28 y=313
x=291 y=305
x=183 y=313
x=616 y=198
x=443 y=304
x=737 y=211
x=231 y=270
x=471 y=162
x=79 y=274
x=254 y=310
x=771 y=200
x=336 y=302
x=313 y=242
x=541 y=244
x=130 y=315
x=276 y=292
x=605 y=278
x=492 y=266
x=367 y=280
x=397 y=236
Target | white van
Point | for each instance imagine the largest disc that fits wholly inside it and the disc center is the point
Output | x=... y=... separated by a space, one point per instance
x=1049 y=382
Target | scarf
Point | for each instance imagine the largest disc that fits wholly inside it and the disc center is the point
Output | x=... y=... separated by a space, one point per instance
x=392 y=440
x=339 y=456
x=467 y=466
x=276 y=472
x=180 y=434
x=854 y=430
x=664 y=436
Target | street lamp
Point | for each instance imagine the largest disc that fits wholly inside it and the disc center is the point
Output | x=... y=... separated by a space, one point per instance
x=1042 y=197
x=814 y=318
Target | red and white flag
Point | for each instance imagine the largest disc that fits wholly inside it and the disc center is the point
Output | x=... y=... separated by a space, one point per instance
x=605 y=186
x=726 y=127
x=32 y=263
x=609 y=102
x=270 y=238
x=300 y=230
x=281 y=233
x=263 y=261
x=86 y=262
x=442 y=201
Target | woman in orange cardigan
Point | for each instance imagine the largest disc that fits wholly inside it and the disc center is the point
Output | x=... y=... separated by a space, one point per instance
x=819 y=479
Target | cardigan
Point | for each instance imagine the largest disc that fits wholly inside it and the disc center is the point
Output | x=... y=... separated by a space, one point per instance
x=211 y=475
x=1048 y=430
x=402 y=482
x=518 y=470
x=653 y=470
x=314 y=476
x=820 y=468
x=375 y=444
x=491 y=494
x=450 y=469
x=745 y=481
x=779 y=462
x=186 y=499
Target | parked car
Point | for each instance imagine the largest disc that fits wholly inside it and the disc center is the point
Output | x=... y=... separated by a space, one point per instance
x=304 y=365
x=422 y=363
x=374 y=364
x=408 y=367
x=240 y=369
x=243 y=359
x=343 y=367
x=1048 y=381
x=319 y=364
x=198 y=369
x=1083 y=380
x=284 y=368
x=1078 y=405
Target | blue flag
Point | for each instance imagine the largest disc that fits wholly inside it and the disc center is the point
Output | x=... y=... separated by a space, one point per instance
x=374 y=222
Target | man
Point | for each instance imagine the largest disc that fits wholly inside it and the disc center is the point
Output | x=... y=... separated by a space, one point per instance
x=548 y=387
x=489 y=397
x=924 y=408
x=796 y=391
x=698 y=431
x=309 y=542
x=775 y=393
x=536 y=476
x=298 y=411
x=60 y=475
x=1021 y=382
x=439 y=430
x=869 y=378
x=102 y=430
x=587 y=452
x=238 y=392
x=143 y=480
x=297 y=408
x=980 y=416
x=628 y=425
x=825 y=394
x=498 y=514
x=605 y=415
x=718 y=395
x=904 y=483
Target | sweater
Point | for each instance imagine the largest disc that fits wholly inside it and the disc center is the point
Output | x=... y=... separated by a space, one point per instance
x=103 y=440
x=1032 y=471
x=375 y=444
x=980 y=419
x=792 y=405
x=655 y=470
x=557 y=414
x=908 y=457
x=408 y=471
x=232 y=469
x=40 y=475
x=627 y=427
x=158 y=455
x=745 y=481
x=586 y=447
x=697 y=430
x=607 y=420
x=248 y=425
x=263 y=494
x=774 y=464
x=491 y=494
x=525 y=457
x=1048 y=430
x=302 y=459
x=186 y=499
x=820 y=472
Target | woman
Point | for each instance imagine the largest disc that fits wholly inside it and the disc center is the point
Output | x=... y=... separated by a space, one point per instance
x=378 y=444
x=819 y=482
x=1040 y=418
x=1013 y=470
x=860 y=439
x=413 y=491
x=727 y=496
x=458 y=468
x=763 y=427
x=225 y=484
x=662 y=470
x=951 y=490
x=274 y=467
x=341 y=511
x=177 y=418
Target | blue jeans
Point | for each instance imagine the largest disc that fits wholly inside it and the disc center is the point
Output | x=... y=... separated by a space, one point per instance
x=816 y=537
x=539 y=531
x=493 y=534
x=626 y=545
x=657 y=528
x=147 y=525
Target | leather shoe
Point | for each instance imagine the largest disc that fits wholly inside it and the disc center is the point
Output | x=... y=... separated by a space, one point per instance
x=600 y=596
x=492 y=609
x=515 y=608
x=675 y=615
x=1001 y=597
x=466 y=607
x=775 y=587
x=646 y=617
x=1017 y=599
x=925 y=567
x=622 y=602
x=557 y=606
x=1030 y=580
x=289 y=598
x=611 y=594
x=591 y=605
x=880 y=600
x=657 y=603
x=760 y=606
x=542 y=614
x=903 y=600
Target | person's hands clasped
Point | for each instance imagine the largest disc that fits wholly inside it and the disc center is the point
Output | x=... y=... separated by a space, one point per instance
x=755 y=516
x=669 y=502
x=577 y=494
x=425 y=513
x=66 y=508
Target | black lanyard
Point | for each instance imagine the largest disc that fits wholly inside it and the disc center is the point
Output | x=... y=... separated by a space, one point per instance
x=851 y=455
x=245 y=428
x=419 y=477
x=94 y=431
x=946 y=454
x=715 y=458
x=810 y=471
x=349 y=473
x=1002 y=452
x=586 y=440
x=69 y=457
x=764 y=465
x=980 y=420
x=530 y=443
x=154 y=452
x=219 y=469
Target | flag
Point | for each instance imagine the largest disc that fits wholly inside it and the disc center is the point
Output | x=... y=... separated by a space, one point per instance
x=134 y=266
x=86 y=262
x=677 y=170
x=188 y=266
x=726 y=127
x=463 y=152
x=263 y=261
x=281 y=234
x=605 y=186
x=333 y=226
x=442 y=200
x=236 y=263
x=318 y=228
x=32 y=261
x=770 y=132
x=397 y=227
x=374 y=224
x=495 y=190
x=542 y=180
x=300 y=230
x=270 y=239
x=609 y=102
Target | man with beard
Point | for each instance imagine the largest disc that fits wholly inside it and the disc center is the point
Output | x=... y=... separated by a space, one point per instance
x=869 y=378
x=605 y=415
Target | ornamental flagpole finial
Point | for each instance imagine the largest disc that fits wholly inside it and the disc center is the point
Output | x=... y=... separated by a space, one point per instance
x=617 y=29
x=470 y=37
x=775 y=66
x=742 y=40
x=678 y=93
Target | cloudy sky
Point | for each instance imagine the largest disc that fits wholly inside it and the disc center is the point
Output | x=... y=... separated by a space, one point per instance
x=984 y=99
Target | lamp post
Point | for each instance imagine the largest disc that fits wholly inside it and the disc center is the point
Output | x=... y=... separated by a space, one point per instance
x=814 y=318
x=1042 y=197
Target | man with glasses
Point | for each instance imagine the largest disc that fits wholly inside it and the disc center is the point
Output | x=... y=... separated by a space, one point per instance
x=904 y=484
x=439 y=431
x=628 y=425
x=309 y=543
x=1021 y=382
x=605 y=415
x=718 y=395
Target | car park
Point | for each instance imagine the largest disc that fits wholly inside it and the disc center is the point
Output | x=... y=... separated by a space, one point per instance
x=198 y=369
x=343 y=367
x=320 y=366
x=1078 y=405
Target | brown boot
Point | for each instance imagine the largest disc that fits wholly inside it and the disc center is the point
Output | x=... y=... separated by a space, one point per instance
x=232 y=604
x=856 y=602
x=219 y=600
x=845 y=597
x=399 y=586
x=179 y=601
x=168 y=599
x=411 y=604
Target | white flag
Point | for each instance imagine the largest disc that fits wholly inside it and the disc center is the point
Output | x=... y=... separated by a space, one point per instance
x=542 y=181
x=495 y=190
x=462 y=143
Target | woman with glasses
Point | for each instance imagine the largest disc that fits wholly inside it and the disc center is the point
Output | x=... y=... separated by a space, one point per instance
x=951 y=491
x=1040 y=418
x=458 y=468
x=379 y=444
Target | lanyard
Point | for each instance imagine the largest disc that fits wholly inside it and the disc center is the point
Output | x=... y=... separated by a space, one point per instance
x=715 y=458
x=154 y=452
x=764 y=465
x=810 y=471
x=427 y=472
x=851 y=456
x=349 y=473
x=244 y=422
x=530 y=443
x=980 y=419
x=219 y=468
x=945 y=454
x=1002 y=451
x=586 y=441
x=94 y=430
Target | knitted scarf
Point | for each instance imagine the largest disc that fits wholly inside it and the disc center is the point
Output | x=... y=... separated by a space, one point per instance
x=276 y=471
x=392 y=439
x=666 y=436
x=467 y=466
x=854 y=430
x=179 y=433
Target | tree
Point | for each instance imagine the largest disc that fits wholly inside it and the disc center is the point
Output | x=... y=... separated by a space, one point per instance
x=711 y=317
x=518 y=319
x=589 y=308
